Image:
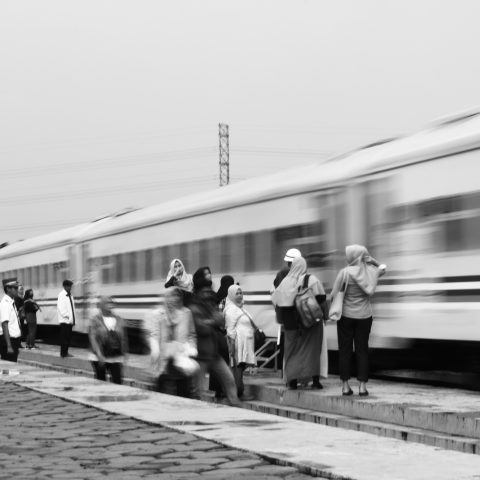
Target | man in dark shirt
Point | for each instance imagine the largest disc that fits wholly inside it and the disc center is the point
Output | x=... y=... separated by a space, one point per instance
x=21 y=314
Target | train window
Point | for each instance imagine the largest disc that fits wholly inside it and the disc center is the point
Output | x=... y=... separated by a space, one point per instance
x=148 y=259
x=164 y=261
x=118 y=268
x=184 y=253
x=45 y=275
x=135 y=267
x=193 y=254
x=462 y=234
x=27 y=277
x=262 y=245
x=203 y=253
x=225 y=254
x=106 y=270
x=126 y=267
x=36 y=276
x=158 y=272
x=248 y=252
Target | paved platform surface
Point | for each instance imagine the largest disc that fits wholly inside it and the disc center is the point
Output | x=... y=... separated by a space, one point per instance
x=444 y=410
x=46 y=437
x=315 y=449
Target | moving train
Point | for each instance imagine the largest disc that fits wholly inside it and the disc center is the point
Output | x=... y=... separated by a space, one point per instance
x=414 y=201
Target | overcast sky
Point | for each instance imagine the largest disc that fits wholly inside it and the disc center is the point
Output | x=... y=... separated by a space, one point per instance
x=110 y=104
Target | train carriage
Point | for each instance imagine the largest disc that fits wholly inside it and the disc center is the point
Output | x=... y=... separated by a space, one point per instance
x=413 y=201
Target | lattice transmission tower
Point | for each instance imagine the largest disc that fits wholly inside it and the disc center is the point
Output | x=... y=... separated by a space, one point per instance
x=224 y=154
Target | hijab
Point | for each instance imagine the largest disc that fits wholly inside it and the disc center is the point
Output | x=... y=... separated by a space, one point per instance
x=199 y=279
x=233 y=307
x=362 y=268
x=284 y=295
x=185 y=282
x=225 y=282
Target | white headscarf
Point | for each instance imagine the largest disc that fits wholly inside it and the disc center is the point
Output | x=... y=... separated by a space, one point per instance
x=233 y=310
x=284 y=295
x=185 y=282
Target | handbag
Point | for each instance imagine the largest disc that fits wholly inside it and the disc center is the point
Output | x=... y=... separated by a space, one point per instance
x=336 y=308
x=258 y=336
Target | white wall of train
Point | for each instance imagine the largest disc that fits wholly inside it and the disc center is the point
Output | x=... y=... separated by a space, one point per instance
x=414 y=202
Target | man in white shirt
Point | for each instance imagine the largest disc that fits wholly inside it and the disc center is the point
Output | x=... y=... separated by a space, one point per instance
x=10 y=335
x=66 y=317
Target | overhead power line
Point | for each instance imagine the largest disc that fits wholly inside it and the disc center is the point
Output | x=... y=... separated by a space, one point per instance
x=106 y=191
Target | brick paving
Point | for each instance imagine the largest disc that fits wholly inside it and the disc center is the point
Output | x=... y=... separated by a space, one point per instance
x=44 y=437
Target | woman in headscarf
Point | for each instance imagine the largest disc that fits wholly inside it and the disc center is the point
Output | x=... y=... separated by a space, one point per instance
x=302 y=345
x=241 y=335
x=108 y=341
x=221 y=296
x=173 y=344
x=361 y=277
x=202 y=273
x=178 y=277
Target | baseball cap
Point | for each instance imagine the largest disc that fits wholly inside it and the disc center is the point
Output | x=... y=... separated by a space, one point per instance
x=291 y=254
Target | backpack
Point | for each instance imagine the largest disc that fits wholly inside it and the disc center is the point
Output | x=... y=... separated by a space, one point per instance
x=112 y=344
x=308 y=309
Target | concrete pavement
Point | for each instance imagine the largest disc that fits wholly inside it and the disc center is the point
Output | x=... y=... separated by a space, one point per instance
x=316 y=449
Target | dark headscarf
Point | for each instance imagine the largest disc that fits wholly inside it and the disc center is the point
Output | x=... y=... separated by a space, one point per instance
x=199 y=280
x=225 y=282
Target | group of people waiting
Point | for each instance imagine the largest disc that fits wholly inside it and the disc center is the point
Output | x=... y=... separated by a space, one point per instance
x=196 y=330
x=18 y=314
x=355 y=285
x=199 y=331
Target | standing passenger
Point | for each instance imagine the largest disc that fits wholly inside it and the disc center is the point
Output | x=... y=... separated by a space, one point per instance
x=203 y=277
x=178 y=277
x=173 y=343
x=290 y=256
x=241 y=335
x=30 y=308
x=11 y=334
x=354 y=326
x=21 y=313
x=302 y=345
x=108 y=341
x=208 y=320
x=66 y=317
x=221 y=296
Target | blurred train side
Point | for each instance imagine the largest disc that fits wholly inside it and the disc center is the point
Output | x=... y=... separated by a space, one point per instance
x=415 y=202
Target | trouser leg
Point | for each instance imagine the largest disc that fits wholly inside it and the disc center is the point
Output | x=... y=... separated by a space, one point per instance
x=361 y=336
x=345 y=332
x=219 y=367
x=199 y=379
x=65 y=335
x=115 y=370
x=99 y=371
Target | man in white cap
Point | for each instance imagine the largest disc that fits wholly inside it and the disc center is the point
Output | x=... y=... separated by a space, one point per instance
x=10 y=335
x=291 y=254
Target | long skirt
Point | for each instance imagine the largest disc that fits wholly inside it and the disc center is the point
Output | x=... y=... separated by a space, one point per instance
x=302 y=352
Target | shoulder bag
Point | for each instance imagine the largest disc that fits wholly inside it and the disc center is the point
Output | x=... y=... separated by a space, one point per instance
x=336 y=308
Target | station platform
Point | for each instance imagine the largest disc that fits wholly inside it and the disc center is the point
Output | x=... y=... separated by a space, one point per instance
x=277 y=447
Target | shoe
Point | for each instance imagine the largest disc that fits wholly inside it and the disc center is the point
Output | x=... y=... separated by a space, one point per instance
x=317 y=386
x=347 y=393
x=292 y=385
x=363 y=394
x=68 y=355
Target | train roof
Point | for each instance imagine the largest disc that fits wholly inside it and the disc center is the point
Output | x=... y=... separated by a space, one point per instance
x=446 y=136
